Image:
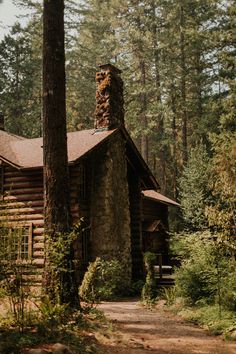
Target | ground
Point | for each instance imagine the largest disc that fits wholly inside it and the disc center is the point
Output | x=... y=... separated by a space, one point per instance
x=138 y=330
x=134 y=329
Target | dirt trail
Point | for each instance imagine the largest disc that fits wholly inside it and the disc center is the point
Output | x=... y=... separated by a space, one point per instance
x=140 y=331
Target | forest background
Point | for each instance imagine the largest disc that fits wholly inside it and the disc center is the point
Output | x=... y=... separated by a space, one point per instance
x=178 y=64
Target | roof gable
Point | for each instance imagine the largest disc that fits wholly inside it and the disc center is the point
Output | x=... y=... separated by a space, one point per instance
x=25 y=153
x=28 y=153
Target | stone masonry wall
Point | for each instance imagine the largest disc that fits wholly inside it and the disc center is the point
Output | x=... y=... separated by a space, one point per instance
x=110 y=216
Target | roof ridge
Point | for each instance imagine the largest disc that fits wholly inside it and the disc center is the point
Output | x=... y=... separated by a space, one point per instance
x=13 y=135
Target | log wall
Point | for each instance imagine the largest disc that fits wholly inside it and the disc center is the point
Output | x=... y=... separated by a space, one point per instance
x=23 y=206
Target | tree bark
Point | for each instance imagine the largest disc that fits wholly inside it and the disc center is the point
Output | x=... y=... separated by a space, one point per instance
x=143 y=111
x=183 y=86
x=174 y=142
x=56 y=175
x=161 y=168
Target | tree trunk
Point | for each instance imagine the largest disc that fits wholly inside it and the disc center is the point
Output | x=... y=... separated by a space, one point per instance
x=183 y=86
x=143 y=111
x=161 y=168
x=174 y=139
x=56 y=175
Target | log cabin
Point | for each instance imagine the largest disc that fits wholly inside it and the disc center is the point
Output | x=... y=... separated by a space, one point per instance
x=112 y=189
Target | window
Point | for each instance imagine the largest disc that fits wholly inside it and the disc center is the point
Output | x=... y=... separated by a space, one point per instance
x=16 y=243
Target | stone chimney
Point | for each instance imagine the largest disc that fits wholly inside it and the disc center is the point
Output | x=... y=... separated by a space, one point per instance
x=109 y=113
x=1 y=121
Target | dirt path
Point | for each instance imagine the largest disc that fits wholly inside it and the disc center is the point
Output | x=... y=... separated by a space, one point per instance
x=141 y=331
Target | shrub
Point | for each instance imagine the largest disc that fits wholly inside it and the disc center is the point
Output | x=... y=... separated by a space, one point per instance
x=228 y=294
x=14 y=283
x=149 y=290
x=169 y=295
x=103 y=281
x=206 y=270
x=52 y=315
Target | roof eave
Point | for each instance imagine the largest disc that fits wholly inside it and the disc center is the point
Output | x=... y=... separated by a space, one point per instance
x=172 y=203
x=8 y=162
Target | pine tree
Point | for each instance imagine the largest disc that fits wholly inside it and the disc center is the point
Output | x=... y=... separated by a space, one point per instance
x=221 y=213
x=57 y=220
x=194 y=190
x=20 y=94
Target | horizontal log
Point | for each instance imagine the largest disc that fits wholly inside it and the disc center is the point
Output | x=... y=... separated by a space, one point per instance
x=38 y=254
x=38 y=223
x=16 y=204
x=22 y=217
x=38 y=262
x=13 y=171
x=38 y=231
x=38 y=245
x=34 y=278
x=24 y=191
x=22 y=210
x=22 y=178
x=25 y=197
x=39 y=238
x=22 y=185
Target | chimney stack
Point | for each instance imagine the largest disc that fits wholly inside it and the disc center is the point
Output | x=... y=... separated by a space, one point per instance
x=1 y=121
x=109 y=113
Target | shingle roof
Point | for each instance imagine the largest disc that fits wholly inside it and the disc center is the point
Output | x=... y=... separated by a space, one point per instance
x=158 y=197
x=28 y=153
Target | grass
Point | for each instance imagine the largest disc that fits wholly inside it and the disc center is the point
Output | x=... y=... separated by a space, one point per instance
x=12 y=341
x=77 y=332
x=208 y=316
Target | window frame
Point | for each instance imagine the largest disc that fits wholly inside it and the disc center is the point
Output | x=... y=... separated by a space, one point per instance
x=19 y=251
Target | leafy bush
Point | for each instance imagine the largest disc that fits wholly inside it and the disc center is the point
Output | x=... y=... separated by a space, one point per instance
x=228 y=296
x=136 y=288
x=208 y=316
x=103 y=281
x=206 y=274
x=169 y=295
x=14 y=284
x=52 y=315
x=149 y=290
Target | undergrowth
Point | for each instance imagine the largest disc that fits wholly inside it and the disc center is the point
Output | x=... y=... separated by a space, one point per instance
x=51 y=323
x=208 y=317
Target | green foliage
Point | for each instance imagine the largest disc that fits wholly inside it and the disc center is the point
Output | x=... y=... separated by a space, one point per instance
x=149 y=291
x=13 y=276
x=169 y=295
x=207 y=316
x=60 y=265
x=178 y=66
x=20 y=90
x=103 y=280
x=53 y=316
x=194 y=279
x=228 y=296
x=207 y=273
x=194 y=188
x=136 y=288
x=222 y=212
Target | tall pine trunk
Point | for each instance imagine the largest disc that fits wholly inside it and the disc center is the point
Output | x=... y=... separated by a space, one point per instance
x=143 y=111
x=183 y=86
x=160 y=170
x=174 y=143
x=62 y=283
